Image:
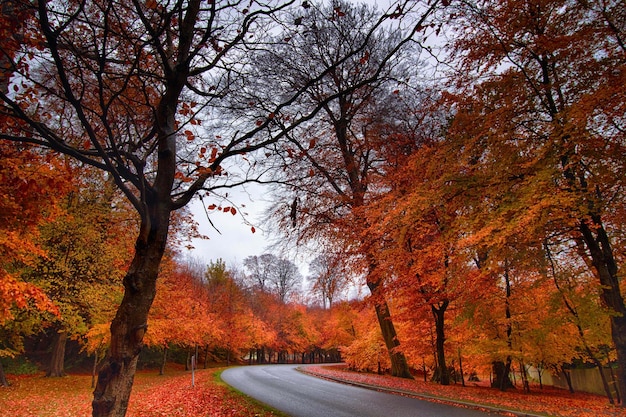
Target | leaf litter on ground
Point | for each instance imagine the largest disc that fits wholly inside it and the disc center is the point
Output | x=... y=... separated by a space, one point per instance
x=170 y=395
x=547 y=401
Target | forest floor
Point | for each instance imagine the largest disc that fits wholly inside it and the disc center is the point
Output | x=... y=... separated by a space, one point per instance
x=538 y=402
x=169 y=395
x=172 y=395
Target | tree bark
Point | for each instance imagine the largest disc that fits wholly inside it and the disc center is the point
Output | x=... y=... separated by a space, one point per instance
x=3 y=377
x=461 y=368
x=568 y=378
x=162 y=369
x=603 y=262
x=94 y=369
x=399 y=364
x=115 y=379
x=442 y=373
x=57 y=360
x=501 y=373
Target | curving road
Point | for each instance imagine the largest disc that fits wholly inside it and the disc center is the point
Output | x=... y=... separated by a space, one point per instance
x=301 y=395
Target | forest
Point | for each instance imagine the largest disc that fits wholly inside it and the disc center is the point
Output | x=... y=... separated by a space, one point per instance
x=462 y=160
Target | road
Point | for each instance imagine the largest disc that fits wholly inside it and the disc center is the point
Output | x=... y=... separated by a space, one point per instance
x=301 y=395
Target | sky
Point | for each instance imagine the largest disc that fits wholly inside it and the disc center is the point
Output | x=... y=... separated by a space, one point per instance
x=235 y=240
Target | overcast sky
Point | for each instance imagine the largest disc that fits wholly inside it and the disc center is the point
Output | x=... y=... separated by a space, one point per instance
x=236 y=241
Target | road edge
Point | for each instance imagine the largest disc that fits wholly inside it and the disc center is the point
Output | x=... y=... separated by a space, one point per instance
x=426 y=397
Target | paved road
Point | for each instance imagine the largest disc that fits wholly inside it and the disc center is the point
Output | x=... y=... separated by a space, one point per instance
x=300 y=395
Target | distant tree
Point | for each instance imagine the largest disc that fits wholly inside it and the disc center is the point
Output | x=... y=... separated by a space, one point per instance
x=329 y=278
x=278 y=276
x=259 y=270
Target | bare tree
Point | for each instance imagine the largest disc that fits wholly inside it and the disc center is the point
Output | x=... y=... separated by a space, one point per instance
x=329 y=278
x=278 y=276
x=259 y=270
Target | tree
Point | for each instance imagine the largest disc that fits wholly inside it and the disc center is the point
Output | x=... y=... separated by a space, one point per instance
x=130 y=89
x=545 y=121
x=32 y=186
x=182 y=314
x=329 y=279
x=277 y=276
x=84 y=259
x=415 y=240
x=226 y=301
x=27 y=180
x=328 y=167
x=259 y=270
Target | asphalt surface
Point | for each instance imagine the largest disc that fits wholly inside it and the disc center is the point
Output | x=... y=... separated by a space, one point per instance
x=300 y=395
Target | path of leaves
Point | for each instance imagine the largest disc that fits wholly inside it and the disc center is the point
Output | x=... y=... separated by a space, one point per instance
x=549 y=401
x=153 y=396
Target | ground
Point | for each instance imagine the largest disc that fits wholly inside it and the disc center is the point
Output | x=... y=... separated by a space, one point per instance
x=173 y=396
x=547 y=401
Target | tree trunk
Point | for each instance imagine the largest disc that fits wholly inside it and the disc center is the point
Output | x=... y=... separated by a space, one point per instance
x=94 y=369
x=461 y=368
x=3 y=377
x=399 y=364
x=603 y=262
x=57 y=360
x=502 y=370
x=442 y=373
x=568 y=379
x=501 y=375
x=524 y=374
x=162 y=368
x=605 y=383
x=618 y=396
x=115 y=379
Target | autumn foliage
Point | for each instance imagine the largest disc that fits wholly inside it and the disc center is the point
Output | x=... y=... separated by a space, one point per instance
x=484 y=211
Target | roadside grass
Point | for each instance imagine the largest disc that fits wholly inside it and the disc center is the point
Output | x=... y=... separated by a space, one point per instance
x=262 y=406
x=170 y=395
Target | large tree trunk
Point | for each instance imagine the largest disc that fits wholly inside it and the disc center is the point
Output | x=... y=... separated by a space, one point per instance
x=57 y=360
x=94 y=369
x=603 y=262
x=115 y=379
x=442 y=373
x=399 y=364
x=501 y=375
